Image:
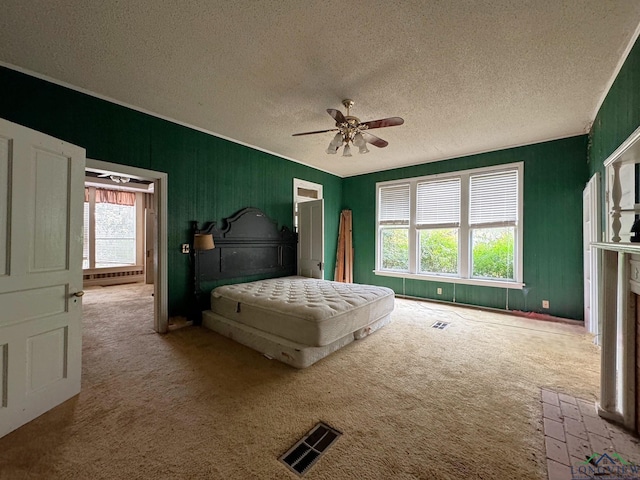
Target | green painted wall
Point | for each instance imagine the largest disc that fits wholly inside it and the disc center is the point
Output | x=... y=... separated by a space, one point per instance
x=618 y=117
x=209 y=178
x=554 y=176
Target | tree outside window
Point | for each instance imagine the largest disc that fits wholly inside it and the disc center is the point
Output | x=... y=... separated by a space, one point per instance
x=493 y=252
x=395 y=249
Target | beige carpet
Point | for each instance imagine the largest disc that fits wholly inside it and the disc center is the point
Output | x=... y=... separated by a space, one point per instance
x=412 y=402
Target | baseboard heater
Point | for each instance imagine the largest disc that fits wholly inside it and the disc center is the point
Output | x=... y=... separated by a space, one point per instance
x=113 y=275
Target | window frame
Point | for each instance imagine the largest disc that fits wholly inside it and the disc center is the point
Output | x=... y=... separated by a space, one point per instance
x=139 y=209
x=464 y=231
x=393 y=223
x=451 y=224
x=297 y=198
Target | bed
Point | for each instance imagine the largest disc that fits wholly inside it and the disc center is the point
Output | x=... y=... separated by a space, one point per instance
x=293 y=319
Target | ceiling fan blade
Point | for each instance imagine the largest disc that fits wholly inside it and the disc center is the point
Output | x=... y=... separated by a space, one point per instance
x=337 y=115
x=384 y=122
x=373 y=140
x=317 y=131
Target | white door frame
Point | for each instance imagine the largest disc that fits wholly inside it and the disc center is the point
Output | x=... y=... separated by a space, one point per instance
x=299 y=183
x=298 y=199
x=591 y=232
x=160 y=285
x=311 y=239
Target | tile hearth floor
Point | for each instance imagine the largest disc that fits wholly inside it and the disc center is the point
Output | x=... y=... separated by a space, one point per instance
x=573 y=432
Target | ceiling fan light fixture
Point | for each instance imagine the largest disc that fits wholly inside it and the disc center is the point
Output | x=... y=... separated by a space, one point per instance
x=335 y=144
x=119 y=179
x=347 y=151
x=358 y=141
x=337 y=140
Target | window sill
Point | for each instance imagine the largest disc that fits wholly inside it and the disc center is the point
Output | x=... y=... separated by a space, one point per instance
x=445 y=279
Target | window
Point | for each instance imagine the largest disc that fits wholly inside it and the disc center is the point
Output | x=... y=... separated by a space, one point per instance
x=115 y=235
x=109 y=237
x=394 y=227
x=437 y=223
x=493 y=220
x=463 y=227
x=85 y=236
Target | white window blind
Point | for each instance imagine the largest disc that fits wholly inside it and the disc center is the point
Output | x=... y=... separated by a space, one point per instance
x=85 y=236
x=493 y=198
x=438 y=203
x=115 y=235
x=394 y=205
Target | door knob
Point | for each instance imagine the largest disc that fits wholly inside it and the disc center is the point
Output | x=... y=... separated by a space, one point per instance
x=78 y=294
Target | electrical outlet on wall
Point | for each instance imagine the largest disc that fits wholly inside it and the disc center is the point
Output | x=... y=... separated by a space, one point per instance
x=185 y=248
x=545 y=303
x=439 y=291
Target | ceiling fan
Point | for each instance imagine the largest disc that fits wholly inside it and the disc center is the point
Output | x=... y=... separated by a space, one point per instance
x=351 y=130
x=116 y=178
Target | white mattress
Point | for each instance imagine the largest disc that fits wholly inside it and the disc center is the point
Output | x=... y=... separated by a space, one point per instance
x=286 y=351
x=303 y=310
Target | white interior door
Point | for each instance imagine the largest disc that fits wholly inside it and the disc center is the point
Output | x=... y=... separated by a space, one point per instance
x=311 y=239
x=41 y=213
x=591 y=227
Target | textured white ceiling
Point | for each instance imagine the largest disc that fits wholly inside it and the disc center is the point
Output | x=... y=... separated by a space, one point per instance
x=466 y=75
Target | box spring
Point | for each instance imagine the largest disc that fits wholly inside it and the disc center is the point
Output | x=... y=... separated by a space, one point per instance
x=289 y=352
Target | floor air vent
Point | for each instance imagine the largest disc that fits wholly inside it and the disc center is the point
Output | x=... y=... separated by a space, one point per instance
x=440 y=325
x=301 y=457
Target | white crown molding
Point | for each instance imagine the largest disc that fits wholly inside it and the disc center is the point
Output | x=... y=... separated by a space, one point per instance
x=70 y=86
x=616 y=71
x=477 y=152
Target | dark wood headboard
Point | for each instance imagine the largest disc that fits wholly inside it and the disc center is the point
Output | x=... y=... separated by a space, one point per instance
x=248 y=244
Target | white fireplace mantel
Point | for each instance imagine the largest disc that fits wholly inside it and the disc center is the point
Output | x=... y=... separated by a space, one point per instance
x=633 y=248
x=619 y=283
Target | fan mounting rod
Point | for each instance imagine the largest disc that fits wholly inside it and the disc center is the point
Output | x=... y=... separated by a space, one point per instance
x=348 y=103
